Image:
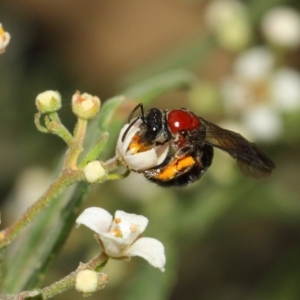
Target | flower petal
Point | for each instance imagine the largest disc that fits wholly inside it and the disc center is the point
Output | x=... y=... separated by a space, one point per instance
x=254 y=64
x=281 y=26
x=151 y=250
x=114 y=246
x=162 y=152
x=95 y=218
x=131 y=225
x=122 y=146
x=142 y=160
x=263 y=122
x=285 y=89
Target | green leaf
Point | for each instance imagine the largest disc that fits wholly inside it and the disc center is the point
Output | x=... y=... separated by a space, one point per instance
x=107 y=111
x=192 y=53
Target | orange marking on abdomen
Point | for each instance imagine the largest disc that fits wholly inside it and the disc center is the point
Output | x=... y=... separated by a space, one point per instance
x=175 y=167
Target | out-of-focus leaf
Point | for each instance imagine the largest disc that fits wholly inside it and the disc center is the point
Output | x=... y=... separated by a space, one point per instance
x=257 y=7
x=149 y=89
x=193 y=52
x=107 y=111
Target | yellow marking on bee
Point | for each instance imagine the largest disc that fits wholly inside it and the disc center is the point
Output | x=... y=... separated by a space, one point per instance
x=175 y=167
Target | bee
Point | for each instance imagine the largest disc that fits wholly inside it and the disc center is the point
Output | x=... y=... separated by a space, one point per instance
x=191 y=141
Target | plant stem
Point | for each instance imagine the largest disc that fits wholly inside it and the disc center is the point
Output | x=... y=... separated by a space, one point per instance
x=76 y=149
x=67 y=178
x=68 y=282
x=112 y=164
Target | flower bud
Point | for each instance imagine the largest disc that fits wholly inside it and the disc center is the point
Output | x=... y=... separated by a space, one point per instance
x=4 y=39
x=49 y=101
x=87 y=281
x=93 y=171
x=85 y=106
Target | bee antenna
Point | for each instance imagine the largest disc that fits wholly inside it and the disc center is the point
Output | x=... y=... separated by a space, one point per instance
x=128 y=128
x=142 y=117
x=139 y=106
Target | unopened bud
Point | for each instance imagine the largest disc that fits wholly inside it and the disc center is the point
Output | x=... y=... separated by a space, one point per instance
x=49 y=101
x=87 y=281
x=93 y=171
x=85 y=106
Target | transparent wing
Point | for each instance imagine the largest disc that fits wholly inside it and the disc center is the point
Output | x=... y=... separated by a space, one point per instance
x=251 y=160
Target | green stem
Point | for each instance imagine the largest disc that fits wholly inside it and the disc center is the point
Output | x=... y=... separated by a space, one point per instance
x=76 y=147
x=67 y=178
x=112 y=164
x=55 y=126
x=68 y=282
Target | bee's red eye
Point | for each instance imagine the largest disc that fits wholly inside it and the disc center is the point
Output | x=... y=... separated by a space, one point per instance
x=179 y=119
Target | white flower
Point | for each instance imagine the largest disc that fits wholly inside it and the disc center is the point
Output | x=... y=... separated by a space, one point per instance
x=281 y=26
x=260 y=93
x=229 y=22
x=120 y=236
x=285 y=90
x=4 y=39
x=263 y=122
x=254 y=64
x=143 y=160
x=93 y=171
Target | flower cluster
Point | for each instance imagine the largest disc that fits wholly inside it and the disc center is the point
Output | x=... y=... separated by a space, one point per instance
x=261 y=88
x=260 y=92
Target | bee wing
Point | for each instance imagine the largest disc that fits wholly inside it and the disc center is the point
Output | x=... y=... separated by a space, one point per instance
x=251 y=160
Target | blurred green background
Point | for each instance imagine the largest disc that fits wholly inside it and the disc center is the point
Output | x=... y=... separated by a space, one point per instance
x=226 y=236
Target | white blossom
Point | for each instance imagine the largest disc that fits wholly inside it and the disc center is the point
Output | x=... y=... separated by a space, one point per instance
x=259 y=92
x=281 y=26
x=143 y=160
x=121 y=236
x=254 y=64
